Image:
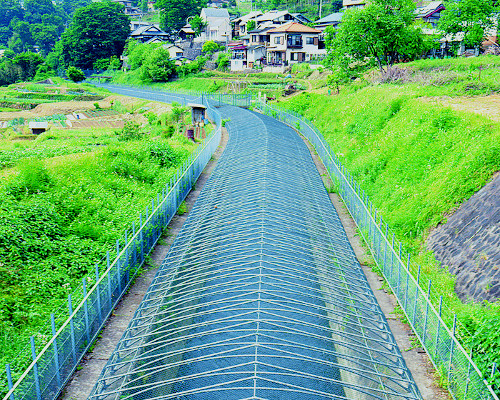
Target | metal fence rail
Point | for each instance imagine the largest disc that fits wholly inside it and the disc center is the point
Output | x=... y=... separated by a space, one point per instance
x=182 y=97
x=260 y=296
x=55 y=363
x=451 y=360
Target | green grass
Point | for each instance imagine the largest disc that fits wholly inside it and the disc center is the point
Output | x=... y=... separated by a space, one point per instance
x=418 y=161
x=65 y=198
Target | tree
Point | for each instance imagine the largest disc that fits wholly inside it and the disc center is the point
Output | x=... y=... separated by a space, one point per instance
x=250 y=25
x=381 y=34
x=9 y=10
x=28 y=62
x=198 y=25
x=210 y=47
x=75 y=74
x=472 y=18
x=174 y=13
x=158 y=66
x=97 y=31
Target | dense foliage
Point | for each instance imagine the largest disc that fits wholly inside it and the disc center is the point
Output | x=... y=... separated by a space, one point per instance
x=22 y=67
x=382 y=33
x=34 y=23
x=174 y=13
x=97 y=31
x=470 y=18
x=59 y=215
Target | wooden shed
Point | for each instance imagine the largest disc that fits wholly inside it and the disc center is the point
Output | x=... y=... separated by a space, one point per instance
x=198 y=112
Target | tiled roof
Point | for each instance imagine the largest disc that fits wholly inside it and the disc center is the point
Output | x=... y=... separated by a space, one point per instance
x=294 y=27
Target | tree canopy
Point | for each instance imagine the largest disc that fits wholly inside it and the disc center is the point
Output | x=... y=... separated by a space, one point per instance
x=97 y=31
x=469 y=19
x=174 y=13
x=381 y=34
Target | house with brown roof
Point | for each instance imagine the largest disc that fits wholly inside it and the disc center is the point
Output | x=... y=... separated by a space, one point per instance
x=294 y=43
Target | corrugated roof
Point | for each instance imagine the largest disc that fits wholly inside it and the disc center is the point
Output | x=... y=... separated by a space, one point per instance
x=294 y=27
x=216 y=12
x=38 y=125
x=335 y=17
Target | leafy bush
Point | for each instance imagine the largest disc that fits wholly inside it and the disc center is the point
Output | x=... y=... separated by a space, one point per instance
x=131 y=131
x=75 y=74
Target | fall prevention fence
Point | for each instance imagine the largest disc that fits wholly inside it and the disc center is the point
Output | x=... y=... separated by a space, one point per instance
x=261 y=295
x=52 y=367
x=451 y=360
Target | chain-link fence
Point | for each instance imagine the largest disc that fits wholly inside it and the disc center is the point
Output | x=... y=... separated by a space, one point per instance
x=52 y=367
x=455 y=366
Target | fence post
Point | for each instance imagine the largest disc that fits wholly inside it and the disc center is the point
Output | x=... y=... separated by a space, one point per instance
x=118 y=272
x=407 y=280
x=86 y=311
x=9 y=380
x=72 y=329
x=99 y=311
x=56 y=353
x=416 y=298
x=451 y=347
x=439 y=323
x=35 y=369
x=109 y=280
x=426 y=312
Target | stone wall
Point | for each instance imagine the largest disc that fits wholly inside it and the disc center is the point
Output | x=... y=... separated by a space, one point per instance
x=468 y=245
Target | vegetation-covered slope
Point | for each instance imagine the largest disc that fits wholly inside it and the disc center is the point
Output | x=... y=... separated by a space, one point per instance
x=64 y=206
x=418 y=160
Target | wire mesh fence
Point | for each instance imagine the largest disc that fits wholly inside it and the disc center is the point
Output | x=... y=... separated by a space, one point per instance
x=62 y=350
x=455 y=366
x=260 y=296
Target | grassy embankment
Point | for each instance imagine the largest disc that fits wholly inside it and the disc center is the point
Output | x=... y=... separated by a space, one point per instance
x=65 y=198
x=418 y=159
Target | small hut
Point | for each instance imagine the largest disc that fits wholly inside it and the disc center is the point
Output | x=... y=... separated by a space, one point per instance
x=37 y=128
x=198 y=112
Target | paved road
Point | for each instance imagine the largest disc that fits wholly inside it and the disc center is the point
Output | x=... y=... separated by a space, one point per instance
x=260 y=295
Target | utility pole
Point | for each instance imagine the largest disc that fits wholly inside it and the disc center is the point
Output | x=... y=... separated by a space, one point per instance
x=320 y=7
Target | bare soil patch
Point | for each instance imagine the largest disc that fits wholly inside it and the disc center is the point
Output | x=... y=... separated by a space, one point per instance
x=487 y=106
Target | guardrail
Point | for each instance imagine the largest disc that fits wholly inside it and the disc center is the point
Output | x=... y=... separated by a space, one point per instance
x=457 y=369
x=53 y=366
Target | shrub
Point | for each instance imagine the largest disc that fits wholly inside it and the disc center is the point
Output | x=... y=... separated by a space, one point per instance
x=131 y=131
x=75 y=74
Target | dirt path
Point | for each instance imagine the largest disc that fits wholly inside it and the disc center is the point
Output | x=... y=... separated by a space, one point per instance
x=84 y=379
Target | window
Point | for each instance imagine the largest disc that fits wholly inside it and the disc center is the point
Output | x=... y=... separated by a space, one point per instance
x=254 y=38
x=278 y=40
x=294 y=56
x=310 y=40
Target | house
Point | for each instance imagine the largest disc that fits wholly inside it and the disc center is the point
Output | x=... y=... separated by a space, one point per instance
x=137 y=24
x=330 y=20
x=174 y=50
x=353 y=3
x=187 y=32
x=129 y=9
x=240 y=23
x=246 y=54
x=218 y=27
x=301 y=18
x=430 y=13
x=150 y=34
x=294 y=43
x=274 y=17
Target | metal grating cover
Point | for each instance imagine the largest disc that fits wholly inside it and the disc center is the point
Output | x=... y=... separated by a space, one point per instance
x=260 y=295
